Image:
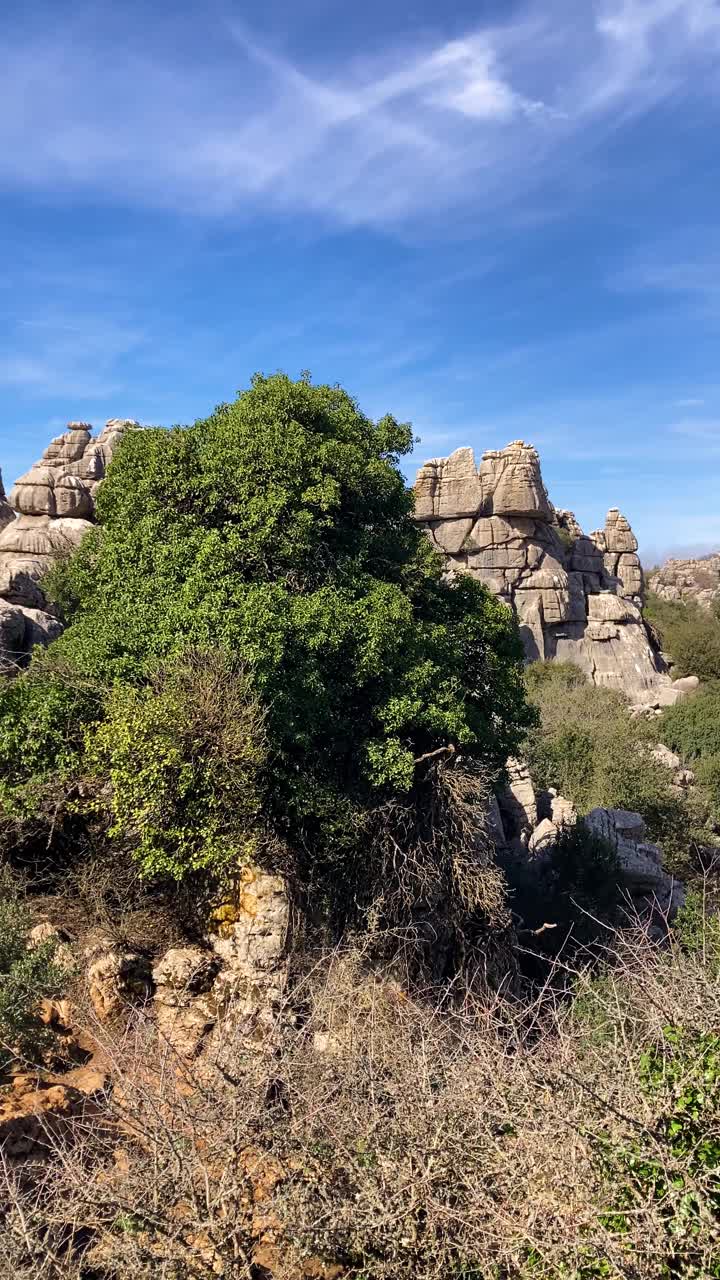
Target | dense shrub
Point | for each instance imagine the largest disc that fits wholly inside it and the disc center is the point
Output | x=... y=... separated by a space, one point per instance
x=43 y=715
x=27 y=976
x=589 y=748
x=183 y=756
x=279 y=530
x=575 y=896
x=692 y=728
x=690 y=634
x=707 y=774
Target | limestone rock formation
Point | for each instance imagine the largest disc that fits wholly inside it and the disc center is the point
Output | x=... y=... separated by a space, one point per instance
x=184 y=1011
x=577 y=598
x=650 y=888
x=619 y=547
x=252 y=949
x=6 y=512
x=116 y=979
x=526 y=827
x=55 y=505
x=690 y=580
x=517 y=803
x=224 y=1003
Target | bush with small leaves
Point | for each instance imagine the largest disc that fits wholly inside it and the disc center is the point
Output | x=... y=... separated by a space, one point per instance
x=28 y=974
x=44 y=713
x=689 y=633
x=592 y=752
x=183 y=755
x=692 y=728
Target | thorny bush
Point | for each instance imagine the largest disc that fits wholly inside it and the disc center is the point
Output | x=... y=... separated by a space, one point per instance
x=393 y=1138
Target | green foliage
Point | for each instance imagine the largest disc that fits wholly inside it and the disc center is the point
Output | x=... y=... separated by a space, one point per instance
x=690 y=634
x=279 y=530
x=707 y=775
x=566 y=538
x=578 y=890
x=27 y=975
x=681 y=1174
x=697 y=928
x=692 y=728
x=183 y=756
x=42 y=714
x=595 y=754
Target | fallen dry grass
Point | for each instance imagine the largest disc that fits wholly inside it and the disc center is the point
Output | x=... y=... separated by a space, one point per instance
x=393 y=1136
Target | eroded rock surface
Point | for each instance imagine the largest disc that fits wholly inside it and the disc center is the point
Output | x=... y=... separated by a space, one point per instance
x=252 y=948
x=48 y=512
x=697 y=581
x=577 y=597
x=527 y=826
x=184 y=1009
x=224 y=1001
x=650 y=888
x=116 y=979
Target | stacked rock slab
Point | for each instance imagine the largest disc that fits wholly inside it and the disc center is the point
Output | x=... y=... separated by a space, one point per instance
x=696 y=581
x=55 y=505
x=577 y=598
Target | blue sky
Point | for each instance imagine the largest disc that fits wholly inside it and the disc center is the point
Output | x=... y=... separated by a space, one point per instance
x=497 y=220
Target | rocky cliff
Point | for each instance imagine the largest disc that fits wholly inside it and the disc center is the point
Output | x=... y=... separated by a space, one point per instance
x=577 y=596
x=48 y=511
x=690 y=580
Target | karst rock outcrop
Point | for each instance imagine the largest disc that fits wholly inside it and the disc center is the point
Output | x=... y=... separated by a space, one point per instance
x=526 y=826
x=693 y=581
x=46 y=514
x=577 y=596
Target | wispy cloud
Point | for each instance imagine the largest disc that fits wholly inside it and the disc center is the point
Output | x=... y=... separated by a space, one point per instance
x=71 y=356
x=662 y=272
x=143 y=117
x=701 y=431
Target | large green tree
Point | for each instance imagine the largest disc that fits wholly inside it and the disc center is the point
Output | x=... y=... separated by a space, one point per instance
x=280 y=531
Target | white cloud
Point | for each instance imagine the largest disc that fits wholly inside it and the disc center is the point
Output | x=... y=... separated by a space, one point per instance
x=471 y=82
x=142 y=116
x=635 y=22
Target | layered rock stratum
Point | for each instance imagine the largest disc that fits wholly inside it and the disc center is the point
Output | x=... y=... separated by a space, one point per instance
x=577 y=596
x=695 y=581
x=45 y=516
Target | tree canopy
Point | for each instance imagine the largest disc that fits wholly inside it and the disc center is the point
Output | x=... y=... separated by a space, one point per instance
x=279 y=530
